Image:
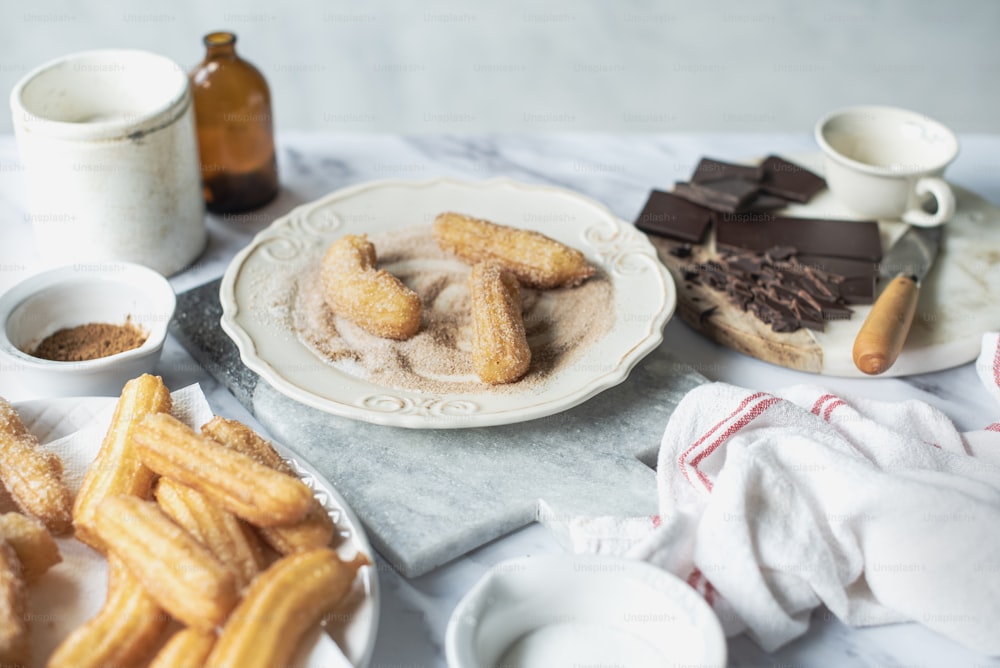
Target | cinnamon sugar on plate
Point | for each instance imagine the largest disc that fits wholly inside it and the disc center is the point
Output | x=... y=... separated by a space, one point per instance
x=560 y=324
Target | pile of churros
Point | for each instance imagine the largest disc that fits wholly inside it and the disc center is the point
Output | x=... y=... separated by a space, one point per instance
x=503 y=259
x=218 y=555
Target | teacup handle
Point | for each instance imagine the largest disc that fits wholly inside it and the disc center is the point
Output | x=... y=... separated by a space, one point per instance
x=941 y=191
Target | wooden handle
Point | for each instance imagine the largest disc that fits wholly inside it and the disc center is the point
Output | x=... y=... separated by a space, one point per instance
x=884 y=330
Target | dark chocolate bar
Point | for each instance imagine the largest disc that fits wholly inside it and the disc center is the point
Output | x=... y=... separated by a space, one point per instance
x=789 y=180
x=668 y=215
x=716 y=170
x=858 y=240
x=725 y=195
x=765 y=201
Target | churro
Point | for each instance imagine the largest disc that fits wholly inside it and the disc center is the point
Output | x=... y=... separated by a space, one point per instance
x=15 y=645
x=371 y=298
x=117 y=468
x=254 y=492
x=281 y=604
x=220 y=531
x=315 y=530
x=180 y=573
x=31 y=475
x=35 y=548
x=536 y=260
x=187 y=648
x=123 y=633
x=500 y=352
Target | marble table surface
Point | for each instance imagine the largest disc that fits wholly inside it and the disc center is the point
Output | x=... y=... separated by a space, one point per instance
x=618 y=170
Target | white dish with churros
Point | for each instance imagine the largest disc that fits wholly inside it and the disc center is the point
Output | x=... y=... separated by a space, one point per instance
x=73 y=593
x=585 y=332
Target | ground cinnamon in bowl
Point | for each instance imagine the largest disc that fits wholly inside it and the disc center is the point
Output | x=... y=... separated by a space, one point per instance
x=89 y=342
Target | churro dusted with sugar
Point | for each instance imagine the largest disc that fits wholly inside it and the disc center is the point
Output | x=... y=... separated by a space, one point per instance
x=371 y=298
x=500 y=352
x=536 y=260
x=32 y=475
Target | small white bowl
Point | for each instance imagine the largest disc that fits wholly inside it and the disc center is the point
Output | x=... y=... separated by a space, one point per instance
x=75 y=295
x=567 y=610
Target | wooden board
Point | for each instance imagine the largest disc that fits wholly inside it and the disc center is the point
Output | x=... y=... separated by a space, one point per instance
x=959 y=302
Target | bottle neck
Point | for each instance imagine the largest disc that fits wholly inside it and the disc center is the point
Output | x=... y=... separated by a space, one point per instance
x=220 y=45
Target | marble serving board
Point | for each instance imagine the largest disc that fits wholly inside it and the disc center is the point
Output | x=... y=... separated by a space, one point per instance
x=428 y=496
x=959 y=298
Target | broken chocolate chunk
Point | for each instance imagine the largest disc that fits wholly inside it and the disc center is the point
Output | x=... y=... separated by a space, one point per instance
x=749 y=263
x=726 y=195
x=682 y=251
x=707 y=313
x=789 y=180
x=780 y=289
x=715 y=170
x=668 y=215
x=859 y=276
x=764 y=201
x=779 y=253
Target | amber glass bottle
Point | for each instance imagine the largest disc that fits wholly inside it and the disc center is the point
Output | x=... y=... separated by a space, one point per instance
x=232 y=106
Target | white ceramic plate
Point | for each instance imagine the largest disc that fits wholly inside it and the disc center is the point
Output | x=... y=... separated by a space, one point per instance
x=644 y=298
x=73 y=591
x=564 y=610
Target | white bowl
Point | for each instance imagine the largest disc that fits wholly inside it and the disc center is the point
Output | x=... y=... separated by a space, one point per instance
x=566 y=610
x=76 y=295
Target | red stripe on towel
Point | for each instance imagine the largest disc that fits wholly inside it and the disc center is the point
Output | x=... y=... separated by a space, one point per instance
x=681 y=460
x=996 y=365
x=694 y=579
x=832 y=407
x=819 y=403
x=818 y=406
x=709 y=592
x=697 y=581
x=745 y=419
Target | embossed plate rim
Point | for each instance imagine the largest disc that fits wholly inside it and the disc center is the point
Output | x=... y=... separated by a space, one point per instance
x=645 y=299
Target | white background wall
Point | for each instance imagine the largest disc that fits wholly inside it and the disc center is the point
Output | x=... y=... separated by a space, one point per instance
x=549 y=65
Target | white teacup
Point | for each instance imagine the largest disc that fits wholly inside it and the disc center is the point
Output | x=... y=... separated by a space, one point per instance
x=886 y=163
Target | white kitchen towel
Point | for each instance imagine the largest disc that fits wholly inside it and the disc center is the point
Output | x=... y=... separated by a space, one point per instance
x=773 y=504
x=988 y=366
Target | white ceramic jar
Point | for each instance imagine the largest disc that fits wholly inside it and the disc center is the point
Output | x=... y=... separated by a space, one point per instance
x=111 y=163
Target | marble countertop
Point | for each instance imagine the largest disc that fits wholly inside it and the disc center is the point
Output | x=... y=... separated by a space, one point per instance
x=618 y=170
